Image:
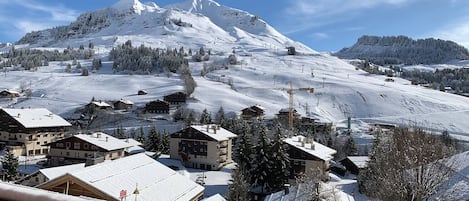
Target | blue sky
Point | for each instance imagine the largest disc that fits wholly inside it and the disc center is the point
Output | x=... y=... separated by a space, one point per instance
x=324 y=25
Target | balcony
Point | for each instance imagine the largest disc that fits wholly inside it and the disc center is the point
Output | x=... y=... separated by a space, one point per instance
x=223 y=151
x=224 y=144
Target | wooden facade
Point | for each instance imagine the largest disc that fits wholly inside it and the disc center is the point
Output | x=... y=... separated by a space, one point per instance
x=303 y=162
x=9 y=94
x=176 y=98
x=253 y=112
x=123 y=105
x=158 y=106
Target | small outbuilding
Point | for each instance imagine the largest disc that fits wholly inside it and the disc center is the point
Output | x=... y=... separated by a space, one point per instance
x=123 y=105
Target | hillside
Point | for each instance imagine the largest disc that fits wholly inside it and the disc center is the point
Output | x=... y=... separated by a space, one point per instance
x=403 y=50
x=261 y=76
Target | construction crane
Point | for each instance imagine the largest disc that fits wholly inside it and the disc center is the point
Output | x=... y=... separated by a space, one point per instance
x=290 y=92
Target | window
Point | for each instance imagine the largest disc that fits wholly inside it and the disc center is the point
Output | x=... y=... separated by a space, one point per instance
x=45 y=135
x=85 y=146
x=59 y=145
x=36 y=179
x=38 y=143
x=67 y=144
x=68 y=153
x=94 y=147
x=45 y=142
x=119 y=153
x=76 y=145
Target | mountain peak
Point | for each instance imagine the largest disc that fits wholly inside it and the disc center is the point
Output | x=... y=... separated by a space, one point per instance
x=198 y=5
x=132 y=5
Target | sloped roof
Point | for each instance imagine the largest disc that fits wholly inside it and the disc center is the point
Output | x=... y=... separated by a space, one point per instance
x=155 y=181
x=128 y=102
x=100 y=104
x=221 y=134
x=216 y=197
x=10 y=191
x=10 y=91
x=104 y=141
x=54 y=172
x=359 y=161
x=320 y=151
x=36 y=118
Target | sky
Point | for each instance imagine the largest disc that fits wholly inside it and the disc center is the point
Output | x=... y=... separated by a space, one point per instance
x=323 y=25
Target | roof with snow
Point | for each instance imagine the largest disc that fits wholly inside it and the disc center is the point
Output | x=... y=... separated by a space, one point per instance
x=54 y=172
x=320 y=151
x=105 y=141
x=10 y=191
x=127 y=102
x=216 y=197
x=220 y=134
x=10 y=91
x=100 y=104
x=36 y=118
x=124 y=173
x=359 y=161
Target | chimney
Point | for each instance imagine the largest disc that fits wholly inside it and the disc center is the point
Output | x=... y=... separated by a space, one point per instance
x=19 y=115
x=98 y=135
x=107 y=138
x=312 y=146
x=207 y=128
x=214 y=129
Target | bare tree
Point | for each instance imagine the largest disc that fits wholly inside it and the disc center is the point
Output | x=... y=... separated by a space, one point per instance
x=407 y=164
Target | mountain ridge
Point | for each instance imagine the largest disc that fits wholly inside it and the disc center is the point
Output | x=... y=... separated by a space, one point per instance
x=384 y=50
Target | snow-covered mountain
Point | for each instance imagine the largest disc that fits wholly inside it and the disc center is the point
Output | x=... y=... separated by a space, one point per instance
x=262 y=77
x=404 y=50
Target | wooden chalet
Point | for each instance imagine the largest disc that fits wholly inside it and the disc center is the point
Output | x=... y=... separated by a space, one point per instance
x=177 y=98
x=98 y=105
x=9 y=94
x=309 y=157
x=253 y=112
x=123 y=105
x=158 y=106
x=81 y=147
x=283 y=116
x=142 y=92
x=25 y=131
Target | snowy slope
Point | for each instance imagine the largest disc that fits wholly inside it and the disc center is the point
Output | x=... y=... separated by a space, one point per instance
x=262 y=77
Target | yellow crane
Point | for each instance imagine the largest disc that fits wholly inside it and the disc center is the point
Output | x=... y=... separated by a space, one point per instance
x=290 y=92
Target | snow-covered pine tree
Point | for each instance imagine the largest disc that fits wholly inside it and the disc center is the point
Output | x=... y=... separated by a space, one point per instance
x=220 y=116
x=10 y=165
x=280 y=162
x=153 y=140
x=261 y=169
x=239 y=186
x=205 y=117
x=244 y=150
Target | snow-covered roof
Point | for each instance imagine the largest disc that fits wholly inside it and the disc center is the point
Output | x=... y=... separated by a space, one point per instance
x=36 y=118
x=10 y=91
x=216 y=197
x=134 y=150
x=359 y=161
x=124 y=173
x=214 y=131
x=100 y=104
x=104 y=141
x=54 y=172
x=128 y=102
x=132 y=142
x=320 y=151
x=10 y=191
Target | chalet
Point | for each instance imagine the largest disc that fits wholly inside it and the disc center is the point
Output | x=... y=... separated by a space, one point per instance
x=9 y=94
x=253 y=112
x=25 y=131
x=158 y=106
x=309 y=157
x=81 y=147
x=123 y=105
x=355 y=163
x=177 y=98
x=98 y=105
x=136 y=177
x=284 y=114
x=202 y=146
x=142 y=92
x=47 y=174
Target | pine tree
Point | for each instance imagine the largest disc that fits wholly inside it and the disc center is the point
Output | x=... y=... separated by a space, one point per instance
x=220 y=117
x=280 y=160
x=243 y=151
x=133 y=133
x=141 y=136
x=239 y=186
x=164 y=146
x=260 y=172
x=205 y=117
x=153 y=140
x=10 y=165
